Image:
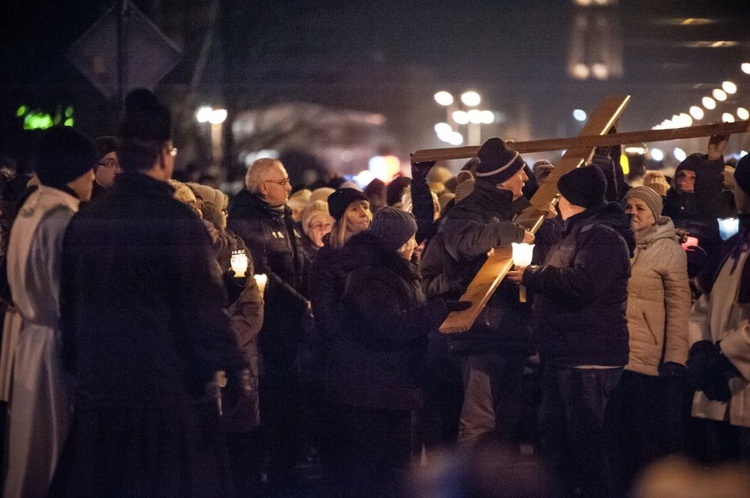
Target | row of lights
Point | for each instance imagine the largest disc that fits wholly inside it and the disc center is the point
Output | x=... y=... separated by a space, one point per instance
x=472 y=117
x=696 y=113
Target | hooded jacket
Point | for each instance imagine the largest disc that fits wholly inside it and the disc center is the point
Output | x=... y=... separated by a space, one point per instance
x=658 y=300
x=579 y=313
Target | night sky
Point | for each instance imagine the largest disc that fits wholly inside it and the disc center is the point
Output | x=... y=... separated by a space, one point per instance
x=374 y=56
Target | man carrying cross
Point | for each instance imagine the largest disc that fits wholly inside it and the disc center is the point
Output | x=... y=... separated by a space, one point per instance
x=492 y=353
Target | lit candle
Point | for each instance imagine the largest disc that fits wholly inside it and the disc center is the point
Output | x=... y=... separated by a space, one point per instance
x=261 y=280
x=522 y=255
x=728 y=227
x=239 y=263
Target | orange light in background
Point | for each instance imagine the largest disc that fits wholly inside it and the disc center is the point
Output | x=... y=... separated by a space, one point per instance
x=384 y=167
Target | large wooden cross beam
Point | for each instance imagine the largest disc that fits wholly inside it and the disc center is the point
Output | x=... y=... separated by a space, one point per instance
x=578 y=150
x=633 y=137
x=497 y=265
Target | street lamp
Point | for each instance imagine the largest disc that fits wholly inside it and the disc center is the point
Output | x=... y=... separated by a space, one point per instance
x=459 y=112
x=216 y=118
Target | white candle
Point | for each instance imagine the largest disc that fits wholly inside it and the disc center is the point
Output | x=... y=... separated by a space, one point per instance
x=239 y=263
x=728 y=227
x=522 y=254
x=261 y=280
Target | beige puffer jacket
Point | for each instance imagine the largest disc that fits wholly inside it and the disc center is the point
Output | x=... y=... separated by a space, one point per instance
x=658 y=300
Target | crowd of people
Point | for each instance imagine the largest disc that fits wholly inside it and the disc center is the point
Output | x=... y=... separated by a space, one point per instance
x=162 y=339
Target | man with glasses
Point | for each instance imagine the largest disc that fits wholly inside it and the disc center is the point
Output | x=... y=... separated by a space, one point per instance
x=260 y=216
x=144 y=331
x=107 y=167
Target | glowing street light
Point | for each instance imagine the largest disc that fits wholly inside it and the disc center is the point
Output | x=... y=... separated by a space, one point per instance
x=745 y=67
x=461 y=117
x=709 y=103
x=579 y=115
x=696 y=112
x=719 y=94
x=727 y=118
x=657 y=155
x=471 y=98
x=444 y=98
x=679 y=154
x=743 y=113
x=729 y=87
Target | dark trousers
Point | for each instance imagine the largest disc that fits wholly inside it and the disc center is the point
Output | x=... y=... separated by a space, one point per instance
x=492 y=398
x=572 y=427
x=372 y=450
x=246 y=462
x=727 y=443
x=648 y=421
x=280 y=411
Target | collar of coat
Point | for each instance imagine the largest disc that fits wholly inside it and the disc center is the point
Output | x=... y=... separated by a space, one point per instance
x=128 y=181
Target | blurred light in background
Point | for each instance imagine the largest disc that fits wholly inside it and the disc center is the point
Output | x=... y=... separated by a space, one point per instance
x=709 y=103
x=579 y=115
x=679 y=154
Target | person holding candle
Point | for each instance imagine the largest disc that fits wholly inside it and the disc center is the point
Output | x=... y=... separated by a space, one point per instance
x=580 y=327
x=493 y=352
x=648 y=402
x=245 y=308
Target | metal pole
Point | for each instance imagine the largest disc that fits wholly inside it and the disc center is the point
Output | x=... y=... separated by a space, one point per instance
x=122 y=50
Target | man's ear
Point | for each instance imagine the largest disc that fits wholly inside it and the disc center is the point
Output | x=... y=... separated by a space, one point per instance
x=262 y=190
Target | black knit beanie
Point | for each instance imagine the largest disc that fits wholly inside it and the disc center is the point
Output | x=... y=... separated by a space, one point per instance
x=105 y=145
x=392 y=227
x=145 y=117
x=340 y=199
x=62 y=155
x=584 y=186
x=498 y=162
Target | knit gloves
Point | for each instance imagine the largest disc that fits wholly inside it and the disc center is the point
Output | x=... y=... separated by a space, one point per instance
x=709 y=371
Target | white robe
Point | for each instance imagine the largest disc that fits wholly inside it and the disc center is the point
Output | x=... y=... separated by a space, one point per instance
x=40 y=393
x=718 y=316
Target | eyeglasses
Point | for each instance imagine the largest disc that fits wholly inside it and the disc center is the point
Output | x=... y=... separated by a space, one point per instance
x=173 y=151
x=320 y=226
x=110 y=163
x=283 y=182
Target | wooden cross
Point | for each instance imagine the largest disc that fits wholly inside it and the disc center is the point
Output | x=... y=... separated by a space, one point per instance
x=578 y=150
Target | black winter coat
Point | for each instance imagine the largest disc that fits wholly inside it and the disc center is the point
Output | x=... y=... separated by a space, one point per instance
x=142 y=297
x=379 y=354
x=477 y=224
x=581 y=292
x=274 y=241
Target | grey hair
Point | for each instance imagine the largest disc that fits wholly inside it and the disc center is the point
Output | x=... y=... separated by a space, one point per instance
x=257 y=172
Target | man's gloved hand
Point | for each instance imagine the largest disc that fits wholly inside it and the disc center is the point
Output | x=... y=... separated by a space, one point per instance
x=419 y=171
x=453 y=292
x=718 y=372
x=457 y=305
x=710 y=371
x=698 y=357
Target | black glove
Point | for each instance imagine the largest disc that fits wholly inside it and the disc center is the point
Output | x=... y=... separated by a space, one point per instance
x=698 y=357
x=457 y=305
x=234 y=285
x=453 y=293
x=672 y=370
x=419 y=171
x=718 y=372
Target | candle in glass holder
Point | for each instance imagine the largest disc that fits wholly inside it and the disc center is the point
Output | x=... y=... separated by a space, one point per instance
x=261 y=280
x=522 y=255
x=728 y=227
x=238 y=261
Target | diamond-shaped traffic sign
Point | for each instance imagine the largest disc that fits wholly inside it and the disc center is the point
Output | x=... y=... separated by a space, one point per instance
x=148 y=54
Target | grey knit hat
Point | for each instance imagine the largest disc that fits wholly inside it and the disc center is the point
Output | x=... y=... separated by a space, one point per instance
x=392 y=227
x=498 y=162
x=650 y=197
